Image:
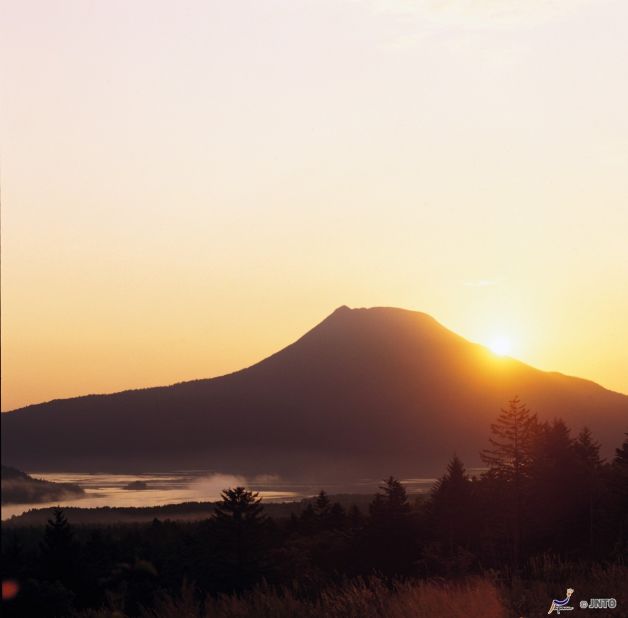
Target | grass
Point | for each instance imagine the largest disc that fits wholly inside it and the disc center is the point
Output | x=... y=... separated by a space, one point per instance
x=476 y=597
x=363 y=598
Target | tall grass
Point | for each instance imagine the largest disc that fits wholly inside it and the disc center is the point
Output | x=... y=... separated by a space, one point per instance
x=363 y=598
x=547 y=578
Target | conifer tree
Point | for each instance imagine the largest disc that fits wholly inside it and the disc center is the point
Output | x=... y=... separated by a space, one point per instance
x=322 y=505
x=587 y=452
x=392 y=503
x=240 y=522
x=337 y=518
x=391 y=533
x=619 y=492
x=510 y=458
x=450 y=502
x=59 y=550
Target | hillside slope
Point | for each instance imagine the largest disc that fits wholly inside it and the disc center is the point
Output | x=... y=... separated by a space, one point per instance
x=366 y=392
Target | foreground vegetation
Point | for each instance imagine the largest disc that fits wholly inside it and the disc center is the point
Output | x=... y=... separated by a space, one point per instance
x=374 y=597
x=548 y=514
x=368 y=598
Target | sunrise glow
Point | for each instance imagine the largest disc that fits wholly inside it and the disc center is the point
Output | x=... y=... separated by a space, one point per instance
x=185 y=192
x=500 y=345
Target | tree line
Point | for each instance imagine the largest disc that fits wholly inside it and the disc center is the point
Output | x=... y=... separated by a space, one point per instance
x=544 y=492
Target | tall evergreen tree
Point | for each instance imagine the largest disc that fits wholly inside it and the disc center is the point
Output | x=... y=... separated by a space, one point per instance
x=392 y=503
x=391 y=537
x=337 y=518
x=619 y=495
x=588 y=450
x=589 y=463
x=322 y=505
x=450 y=503
x=239 y=522
x=510 y=458
x=556 y=504
x=59 y=550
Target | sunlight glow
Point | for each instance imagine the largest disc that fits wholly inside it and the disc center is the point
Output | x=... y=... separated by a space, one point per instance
x=500 y=345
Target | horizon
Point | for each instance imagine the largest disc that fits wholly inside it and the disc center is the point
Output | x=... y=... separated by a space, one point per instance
x=497 y=354
x=185 y=192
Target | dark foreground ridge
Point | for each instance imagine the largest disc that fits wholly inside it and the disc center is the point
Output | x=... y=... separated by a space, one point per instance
x=365 y=391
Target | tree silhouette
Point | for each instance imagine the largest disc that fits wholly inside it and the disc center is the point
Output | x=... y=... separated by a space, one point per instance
x=392 y=504
x=554 y=462
x=450 y=503
x=238 y=506
x=619 y=492
x=322 y=505
x=239 y=523
x=589 y=463
x=59 y=550
x=588 y=449
x=391 y=531
x=337 y=517
x=509 y=460
x=621 y=455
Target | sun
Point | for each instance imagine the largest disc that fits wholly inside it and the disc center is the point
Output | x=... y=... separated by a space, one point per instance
x=500 y=345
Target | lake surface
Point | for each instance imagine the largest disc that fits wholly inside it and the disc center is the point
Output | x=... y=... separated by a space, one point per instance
x=189 y=486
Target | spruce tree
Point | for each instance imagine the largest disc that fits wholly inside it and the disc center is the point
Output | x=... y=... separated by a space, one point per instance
x=391 y=532
x=619 y=494
x=587 y=452
x=59 y=550
x=322 y=505
x=509 y=460
x=392 y=504
x=450 y=503
x=240 y=525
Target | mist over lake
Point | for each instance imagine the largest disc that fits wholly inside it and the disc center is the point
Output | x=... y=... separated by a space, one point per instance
x=123 y=490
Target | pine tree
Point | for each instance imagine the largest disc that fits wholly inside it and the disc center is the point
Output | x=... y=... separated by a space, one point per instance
x=587 y=449
x=392 y=504
x=510 y=459
x=240 y=524
x=59 y=550
x=619 y=492
x=587 y=452
x=391 y=533
x=621 y=455
x=557 y=508
x=239 y=506
x=450 y=502
x=337 y=518
x=322 y=504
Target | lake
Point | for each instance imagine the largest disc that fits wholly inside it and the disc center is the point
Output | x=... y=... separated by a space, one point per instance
x=190 y=486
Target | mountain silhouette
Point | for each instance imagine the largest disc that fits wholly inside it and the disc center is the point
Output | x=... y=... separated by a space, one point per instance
x=366 y=392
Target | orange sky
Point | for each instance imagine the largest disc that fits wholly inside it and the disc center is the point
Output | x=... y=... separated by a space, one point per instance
x=187 y=188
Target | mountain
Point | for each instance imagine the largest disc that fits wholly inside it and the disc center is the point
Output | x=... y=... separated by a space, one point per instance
x=366 y=392
x=20 y=488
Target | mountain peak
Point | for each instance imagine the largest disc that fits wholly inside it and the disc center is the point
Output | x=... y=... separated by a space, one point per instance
x=367 y=391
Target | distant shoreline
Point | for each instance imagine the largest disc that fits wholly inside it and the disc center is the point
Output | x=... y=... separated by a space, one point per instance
x=182 y=512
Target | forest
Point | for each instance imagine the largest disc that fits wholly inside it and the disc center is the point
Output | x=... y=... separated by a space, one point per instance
x=547 y=514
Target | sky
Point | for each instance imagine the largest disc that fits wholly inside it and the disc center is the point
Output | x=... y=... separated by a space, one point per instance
x=187 y=187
